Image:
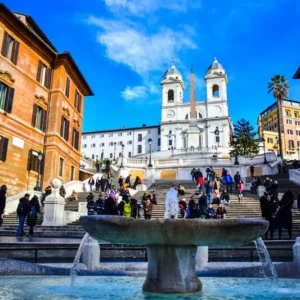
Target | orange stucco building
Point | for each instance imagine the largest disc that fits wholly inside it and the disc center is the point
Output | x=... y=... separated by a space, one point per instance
x=41 y=103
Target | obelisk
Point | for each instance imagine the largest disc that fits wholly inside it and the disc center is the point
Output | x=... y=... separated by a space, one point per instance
x=193 y=132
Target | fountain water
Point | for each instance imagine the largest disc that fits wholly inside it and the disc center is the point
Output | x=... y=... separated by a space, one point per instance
x=264 y=257
x=74 y=269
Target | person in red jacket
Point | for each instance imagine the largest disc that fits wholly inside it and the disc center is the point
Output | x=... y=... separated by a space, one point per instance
x=200 y=183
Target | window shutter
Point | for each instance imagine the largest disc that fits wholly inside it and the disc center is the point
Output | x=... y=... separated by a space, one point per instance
x=3 y=152
x=15 y=52
x=44 y=120
x=39 y=71
x=62 y=127
x=67 y=130
x=67 y=91
x=9 y=99
x=79 y=103
x=77 y=140
x=34 y=112
x=4 y=44
x=29 y=160
x=76 y=100
x=48 y=78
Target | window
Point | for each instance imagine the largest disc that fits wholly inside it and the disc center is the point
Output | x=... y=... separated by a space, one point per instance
x=170 y=142
x=67 y=90
x=84 y=146
x=93 y=136
x=10 y=48
x=110 y=135
x=158 y=130
x=129 y=154
x=102 y=135
x=93 y=156
x=270 y=140
x=111 y=144
x=291 y=144
x=298 y=143
x=139 y=149
x=129 y=133
x=75 y=139
x=43 y=75
x=170 y=95
x=129 y=142
x=297 y=123
x=289 y=131
x=64 y=128
x=33 y=161
x=140 y=138
x=72 y=173
x=120 y=143
x=120 y=134
x=215 y=91
x=3 y=148
x=77 y=103
x=288 y=113
x=158 y=142
x=110 y=155
x=84 y=137
x=102 y=144
x=93 y=145
x=296 y=114
x=289 y=121
x=61 y=167
x=39 y=118
x=6 y=97
x=217 y=139
x=297 y=132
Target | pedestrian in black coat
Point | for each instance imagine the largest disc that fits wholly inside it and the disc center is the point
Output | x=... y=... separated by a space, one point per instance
x=3 y=190
x=111 y=206
x=34 y=209
x=202 y=207
x=284 y=214
x=270 y=208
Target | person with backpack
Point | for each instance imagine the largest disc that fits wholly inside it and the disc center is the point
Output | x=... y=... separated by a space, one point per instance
x=3 y=190
x=22 y=211
x=125 y=206
x=34 y=209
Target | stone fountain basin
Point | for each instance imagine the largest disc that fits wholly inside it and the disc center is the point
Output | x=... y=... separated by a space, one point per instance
x=177 y=232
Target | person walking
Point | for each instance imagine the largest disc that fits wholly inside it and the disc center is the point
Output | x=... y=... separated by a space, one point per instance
x=127 y=181
x=228 y=181
x=270 y=208
x=91 y=183
x=148 y=207
x=22 y=212
x=34 y=210
x=209 y=190
x=121 y=182
x=103 y=183
x=98 y=184
x=241 y=191
x=200 y=183
x=267 y=184
x=252 y=170
x=237 y=179
x=193 y=173
x=97 y=165
x=3 y=190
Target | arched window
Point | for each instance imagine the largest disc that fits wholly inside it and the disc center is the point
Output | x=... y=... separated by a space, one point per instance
x=199 y=116
x=215 y=90
x=170 y=95
x=140 y=138
x=139 y=149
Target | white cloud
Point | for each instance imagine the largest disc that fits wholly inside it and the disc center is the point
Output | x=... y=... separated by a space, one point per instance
x=141 y=7
x=133 y=93
x=126 y=43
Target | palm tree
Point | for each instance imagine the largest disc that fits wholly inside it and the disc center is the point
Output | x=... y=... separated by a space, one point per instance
x=279 y=88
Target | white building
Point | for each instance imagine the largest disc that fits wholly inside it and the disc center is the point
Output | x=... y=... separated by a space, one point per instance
x=204 y=126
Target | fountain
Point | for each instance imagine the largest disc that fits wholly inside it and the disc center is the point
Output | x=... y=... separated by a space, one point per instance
x=172 y=244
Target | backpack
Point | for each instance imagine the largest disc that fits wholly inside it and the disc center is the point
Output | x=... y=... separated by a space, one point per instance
x=127 y=209
x=33 y=210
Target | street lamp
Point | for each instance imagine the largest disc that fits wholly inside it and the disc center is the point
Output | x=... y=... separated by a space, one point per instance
x=115 y=145
x=38 y=184
x=150 y=143
x=122 y=156
x=264 y=143
x=236 y=162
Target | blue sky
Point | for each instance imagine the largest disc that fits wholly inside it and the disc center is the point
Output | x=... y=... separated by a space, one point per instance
x=123 y=47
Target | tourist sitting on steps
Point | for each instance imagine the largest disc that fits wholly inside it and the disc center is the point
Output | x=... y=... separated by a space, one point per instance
x=182 y=207
x=181 y=190
x=91 y=207
x=125 y=206
x=221 y=212
x=148 y=207
x=216 y=197
x=193 y=209
x=73 y=196
x=216 y=184
x=211 y=213
x=47 y=192
x=225 y=197
x=34 y=209
x=127 y=183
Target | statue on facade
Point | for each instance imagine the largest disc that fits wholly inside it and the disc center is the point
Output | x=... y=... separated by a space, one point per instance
x=172 y=207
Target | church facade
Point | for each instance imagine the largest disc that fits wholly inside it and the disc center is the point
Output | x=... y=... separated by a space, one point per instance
x=202 y=126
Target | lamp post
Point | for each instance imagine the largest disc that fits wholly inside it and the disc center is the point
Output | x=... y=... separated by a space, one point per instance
x=236 y=162
x=38 y=184
x=150 y=143
x=115 y=145
x=264 y=145
x=122 y=156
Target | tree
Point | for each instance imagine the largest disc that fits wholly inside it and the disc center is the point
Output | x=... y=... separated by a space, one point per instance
x=245 y=143
x=279 y=88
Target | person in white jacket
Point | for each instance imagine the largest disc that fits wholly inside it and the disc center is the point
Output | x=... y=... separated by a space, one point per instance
x=172 y=207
